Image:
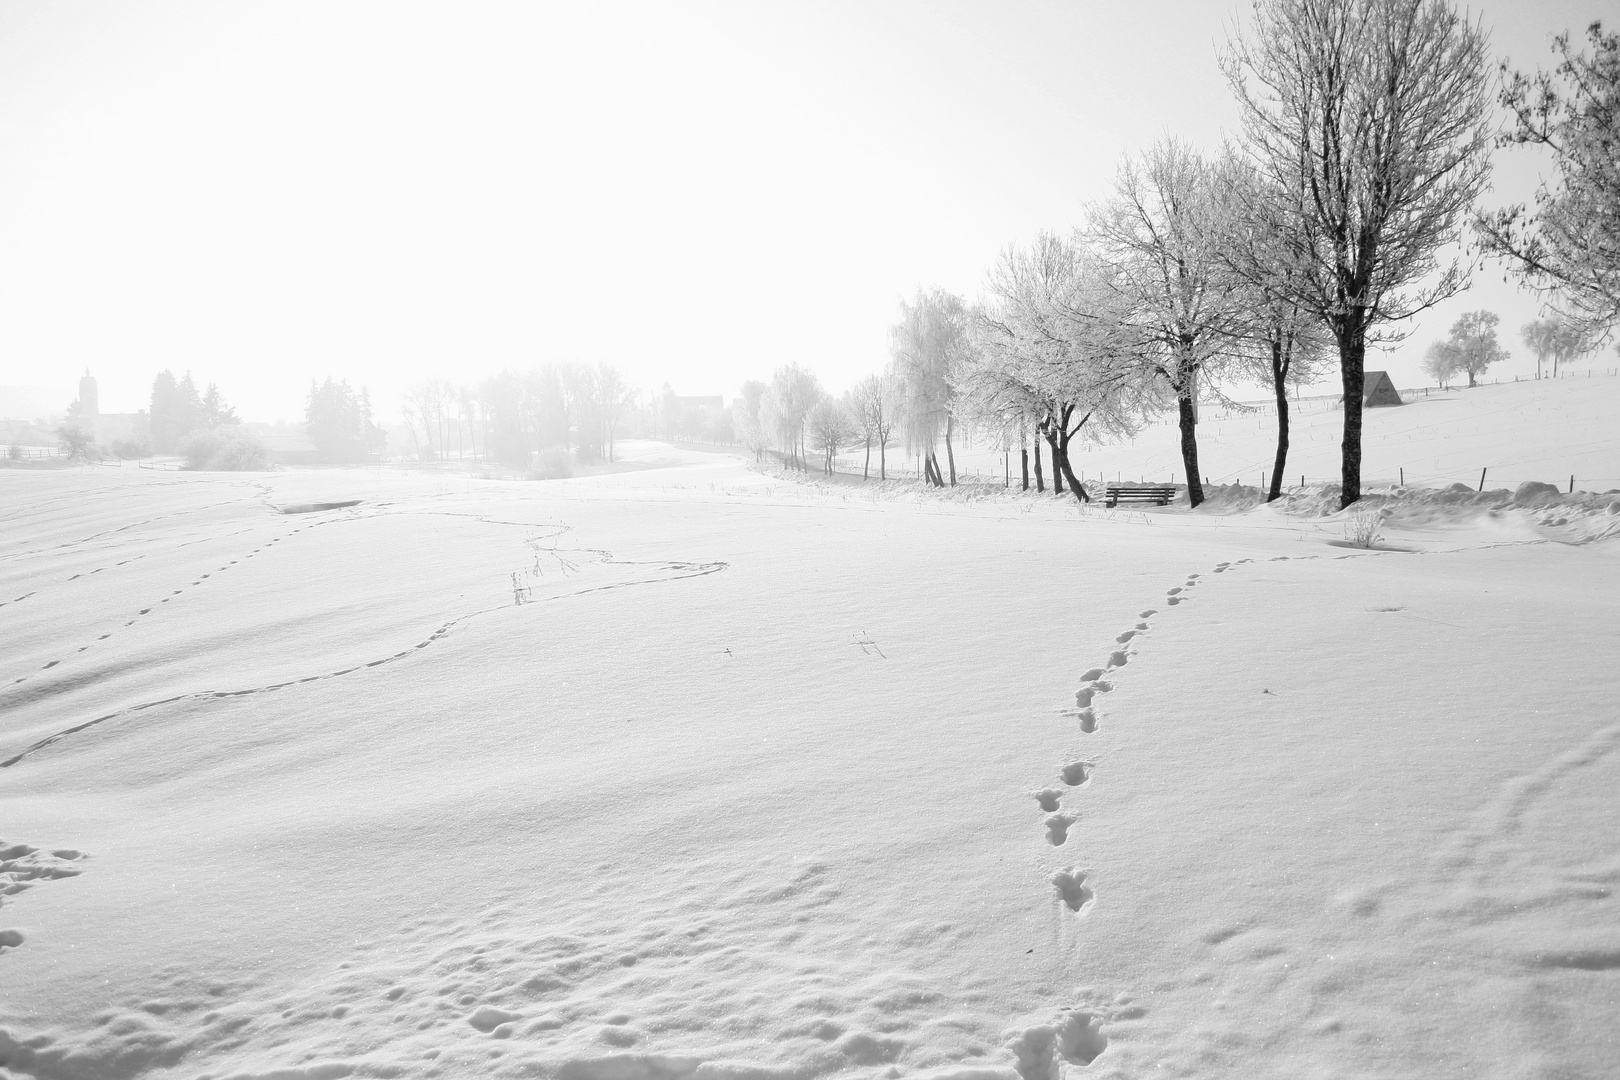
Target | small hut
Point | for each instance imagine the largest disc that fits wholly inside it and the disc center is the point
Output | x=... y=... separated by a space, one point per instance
x=1377 y=389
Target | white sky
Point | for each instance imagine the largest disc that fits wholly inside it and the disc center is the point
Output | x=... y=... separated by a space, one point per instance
x=696 y=192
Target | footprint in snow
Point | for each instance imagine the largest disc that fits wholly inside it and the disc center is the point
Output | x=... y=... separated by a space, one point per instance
x=1071 y=886
x=1088 y=721
x=1148 y=614
x=1092 y=675
x=1083 y=696
x=1173 y=591
x=1119 y=659
x=1126 y=636
x=1057 y=828
x=1076 y=773
x=1048 y=799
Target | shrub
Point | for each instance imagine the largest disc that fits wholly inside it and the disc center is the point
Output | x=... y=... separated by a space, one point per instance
x=78 y=443
x=226 y=449
x=1363 y=526
x=130 y=448
x=553 y=465
x=14 y=451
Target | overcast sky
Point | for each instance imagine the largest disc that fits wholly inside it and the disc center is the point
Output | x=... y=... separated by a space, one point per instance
x=696 y=191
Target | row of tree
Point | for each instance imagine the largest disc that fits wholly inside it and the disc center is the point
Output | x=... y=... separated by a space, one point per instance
x=512 y=416
x=1365 y=144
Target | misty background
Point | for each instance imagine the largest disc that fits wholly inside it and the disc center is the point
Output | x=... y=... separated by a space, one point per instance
x=694 y=194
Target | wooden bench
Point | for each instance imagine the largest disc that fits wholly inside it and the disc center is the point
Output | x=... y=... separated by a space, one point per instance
x=1155 y=493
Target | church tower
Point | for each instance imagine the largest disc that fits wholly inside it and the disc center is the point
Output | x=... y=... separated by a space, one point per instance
x=89 y=406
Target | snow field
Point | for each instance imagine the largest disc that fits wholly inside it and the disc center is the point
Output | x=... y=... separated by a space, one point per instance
x=758 y=780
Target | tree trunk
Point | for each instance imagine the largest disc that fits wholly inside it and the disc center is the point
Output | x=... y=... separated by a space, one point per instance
x=931 y=469
x=1057 y=468
x=1060 y=459
x=1040 y=481
x=1189 y=446
x=1352 y=360
x=1023 y=459
x=1279 y=381
x=866 y=469
x=883 y=459
x=950 y=455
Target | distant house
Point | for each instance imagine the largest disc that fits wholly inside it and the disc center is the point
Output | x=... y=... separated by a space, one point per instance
x=290 y=449
x=1377 y=389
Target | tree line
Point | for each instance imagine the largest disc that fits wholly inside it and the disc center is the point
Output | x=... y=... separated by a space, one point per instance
x=1365 y=144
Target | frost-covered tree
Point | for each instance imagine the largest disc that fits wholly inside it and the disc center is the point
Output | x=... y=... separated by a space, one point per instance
x=338 y=421
x=213 y=412
x=1369 y=119
x=1160 y=235
x=1440 y=362
x=1053 y=347
x=1568 y=246
x=176 y=411
x=928 y=342
x=1473 y=343
x=830 y=427
x=793 y=392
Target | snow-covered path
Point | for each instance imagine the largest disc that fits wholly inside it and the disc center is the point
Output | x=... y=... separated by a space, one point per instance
x=686 y=772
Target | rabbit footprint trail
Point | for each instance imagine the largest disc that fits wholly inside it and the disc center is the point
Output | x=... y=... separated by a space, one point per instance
x=143 y=612
x=1078 y=1038
x=22 y=866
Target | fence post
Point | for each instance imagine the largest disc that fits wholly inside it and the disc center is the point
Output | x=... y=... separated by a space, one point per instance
x=1572 y=483
x=1482 y=479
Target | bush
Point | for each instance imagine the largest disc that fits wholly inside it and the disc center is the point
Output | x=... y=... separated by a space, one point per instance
x=130 y=448
x=226 y=449
x=78 y=443
x=1363 y=526
x=553 y=465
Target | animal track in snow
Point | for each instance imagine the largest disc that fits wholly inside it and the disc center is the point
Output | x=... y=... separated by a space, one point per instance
x=1083 y=696
x=1126 y=636
x=1119 y=658
x=681 y=571
x=1173 y=591
x=1048 y=799
x=1057 y=828
x=1088 y=720
x=22 y=866
x=1071 y=886
x=1076 y=773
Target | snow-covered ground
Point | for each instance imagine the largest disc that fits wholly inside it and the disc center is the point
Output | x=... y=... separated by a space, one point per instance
x=690 y=771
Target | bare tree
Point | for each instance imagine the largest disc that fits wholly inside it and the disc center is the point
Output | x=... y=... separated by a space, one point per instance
x=875 y=404
x=1569 y=246
x=1283 y=343
x=1161 y=235
x=1367 y=118
x=614 y=396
